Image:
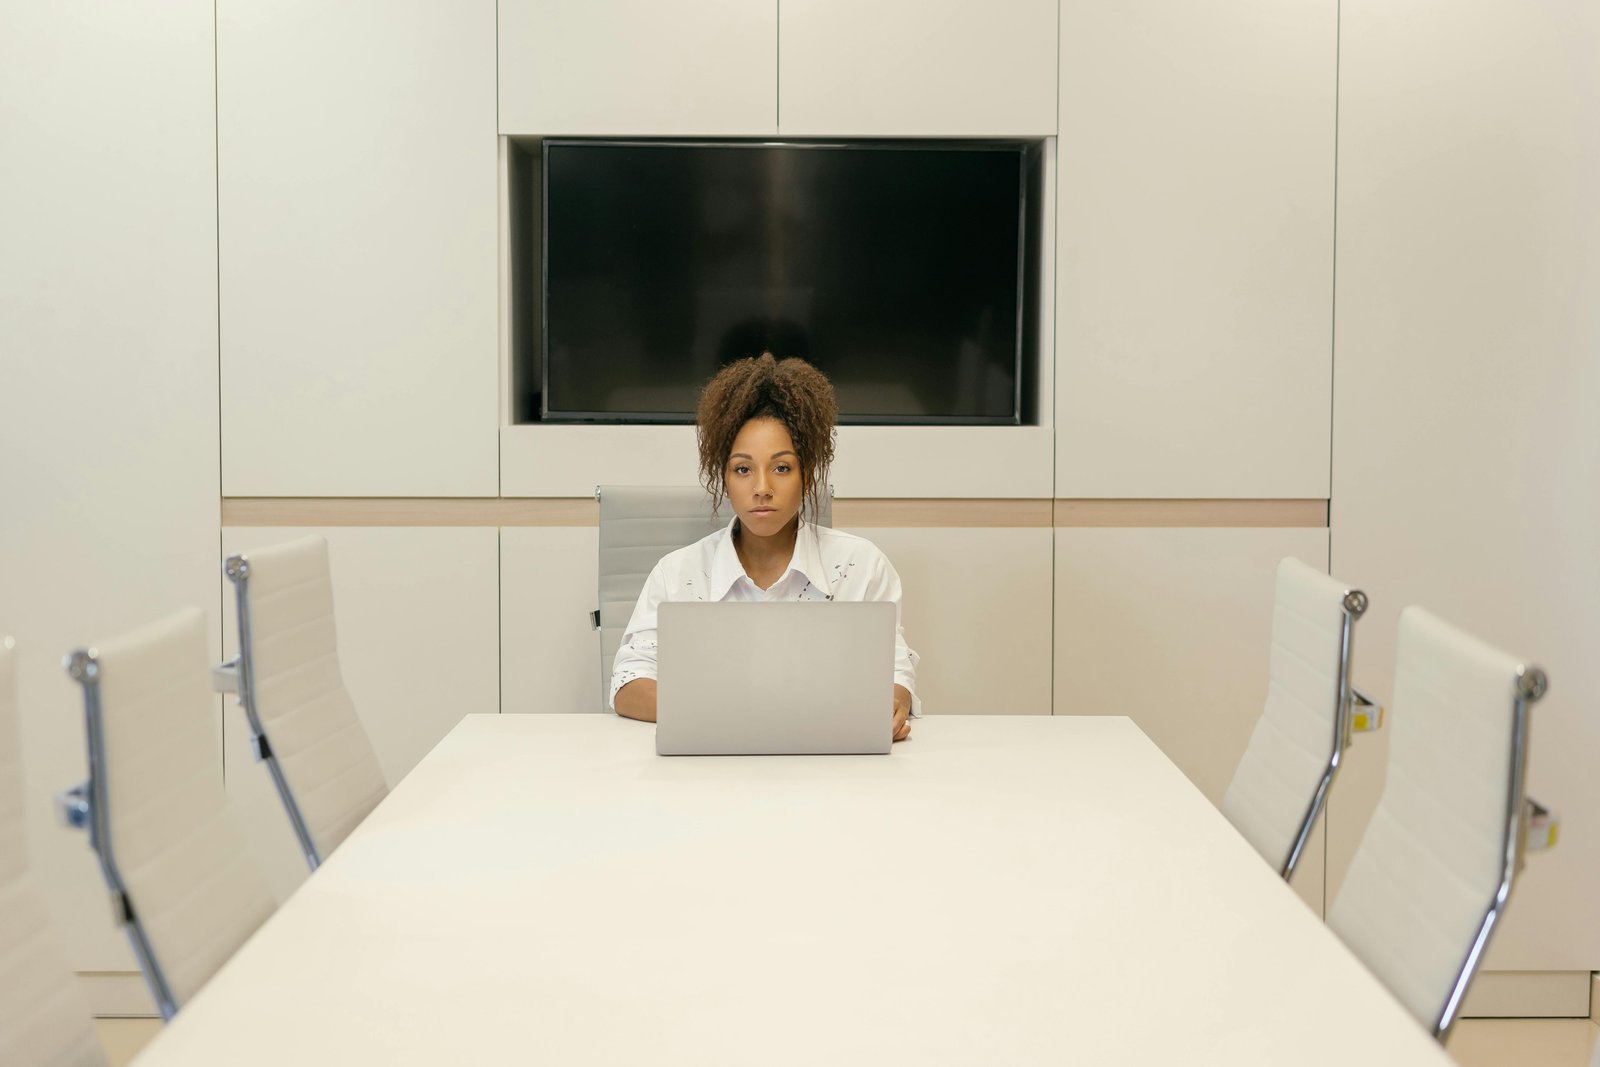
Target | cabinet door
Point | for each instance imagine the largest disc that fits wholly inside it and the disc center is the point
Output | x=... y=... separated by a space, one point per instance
x=638 y=67
x=418 y=628
x=1194 y=255
x=1173 y=627
x=976 y=608
x=917 y=67
x=549 y=651
x=356 y=166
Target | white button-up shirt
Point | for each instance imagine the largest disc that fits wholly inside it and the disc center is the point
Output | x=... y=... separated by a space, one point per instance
x=827 y=565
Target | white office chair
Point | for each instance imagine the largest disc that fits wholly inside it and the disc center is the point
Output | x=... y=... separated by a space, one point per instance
x=639 y=525
x=1434 y=870
x=303 y=724
x=44 y=1017
x=1283 y=780
x=182 y=880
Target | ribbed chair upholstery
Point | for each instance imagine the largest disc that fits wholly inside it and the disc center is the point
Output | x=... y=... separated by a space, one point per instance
x=182 y=878
x=1283 y=780
x=44 y=1017
x=1434 y=870
x=303 y=723
x=639 y=525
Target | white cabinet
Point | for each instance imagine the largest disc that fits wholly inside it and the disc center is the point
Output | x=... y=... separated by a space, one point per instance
x=108 y=377
x=417 y=612
x=1465 y=450
x=549 y=652
x=805 y=67
x=638 y=67
x=357 y=174
x=1173 y=627
x=1194 y=254
x=917 y=68
x=976 y=608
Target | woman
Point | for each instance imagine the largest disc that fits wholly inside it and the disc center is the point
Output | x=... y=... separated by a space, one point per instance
x=765 y=428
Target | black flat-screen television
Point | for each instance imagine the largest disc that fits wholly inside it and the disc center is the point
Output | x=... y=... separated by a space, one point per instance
x=897 y=268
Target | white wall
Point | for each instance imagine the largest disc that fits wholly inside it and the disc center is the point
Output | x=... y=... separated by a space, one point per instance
x=976 y=609
x=1195 y=258
x=108 y=373
x=706 y=67
x=913 y=67
x=1188 y=344
x=1466 y=374
x=357 y=173
x=1173 y=627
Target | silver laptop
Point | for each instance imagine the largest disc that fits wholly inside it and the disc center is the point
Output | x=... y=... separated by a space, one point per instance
x=774 y=678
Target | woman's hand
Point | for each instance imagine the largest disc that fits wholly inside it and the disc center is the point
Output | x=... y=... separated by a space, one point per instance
x=902 y=713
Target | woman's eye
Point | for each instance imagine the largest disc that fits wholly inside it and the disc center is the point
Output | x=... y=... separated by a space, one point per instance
x=782 y=468
x=741 y=469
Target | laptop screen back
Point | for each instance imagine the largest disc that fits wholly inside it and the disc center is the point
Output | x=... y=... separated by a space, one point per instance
x=774 y=678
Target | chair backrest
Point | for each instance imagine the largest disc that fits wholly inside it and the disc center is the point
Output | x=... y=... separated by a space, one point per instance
x=303 y=723
x=1283 y=780
x=1434 y=870
x=639 y=525
x=44 y=1016
x=181 y=876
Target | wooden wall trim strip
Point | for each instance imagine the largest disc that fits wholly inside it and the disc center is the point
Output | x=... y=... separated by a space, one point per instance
x=936 y=513
x=860 y=513
x=1301 y=514
x=409 y=511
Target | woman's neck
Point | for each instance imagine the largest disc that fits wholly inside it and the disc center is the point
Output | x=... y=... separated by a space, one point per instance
x=765 y=558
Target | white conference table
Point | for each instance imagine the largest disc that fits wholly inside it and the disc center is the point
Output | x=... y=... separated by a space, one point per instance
x=999 y=890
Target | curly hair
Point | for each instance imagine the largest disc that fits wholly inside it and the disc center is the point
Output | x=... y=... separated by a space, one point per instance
x=789 y=390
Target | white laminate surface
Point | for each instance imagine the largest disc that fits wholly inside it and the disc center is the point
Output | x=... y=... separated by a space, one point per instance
x=1466 y=370
x=543 y=888
x=1194 y=248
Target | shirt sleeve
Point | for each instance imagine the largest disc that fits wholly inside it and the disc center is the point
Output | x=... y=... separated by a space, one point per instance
x=884 y=584
x=636 y=658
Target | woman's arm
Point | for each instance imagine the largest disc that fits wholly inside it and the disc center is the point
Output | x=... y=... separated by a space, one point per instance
x=635 y=664
x=883 y=583
x=637 y=700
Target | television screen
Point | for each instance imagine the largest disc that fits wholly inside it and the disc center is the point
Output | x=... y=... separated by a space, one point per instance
x=895 y=268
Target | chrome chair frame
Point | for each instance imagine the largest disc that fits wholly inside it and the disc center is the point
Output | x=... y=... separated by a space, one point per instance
x=86 y=807
x=237 y=568
x=1531 y=685
x=1355 y=605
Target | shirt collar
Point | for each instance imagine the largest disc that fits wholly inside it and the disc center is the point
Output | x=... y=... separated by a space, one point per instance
x=807 y=559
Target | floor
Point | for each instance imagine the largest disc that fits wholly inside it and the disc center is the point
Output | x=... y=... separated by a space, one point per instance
x=1475 y=1043
x=1525 y=1043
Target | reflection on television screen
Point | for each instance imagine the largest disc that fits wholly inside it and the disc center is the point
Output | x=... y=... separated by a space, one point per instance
x=896 y=269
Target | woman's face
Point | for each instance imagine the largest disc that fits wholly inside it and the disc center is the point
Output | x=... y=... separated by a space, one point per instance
x=763 y=477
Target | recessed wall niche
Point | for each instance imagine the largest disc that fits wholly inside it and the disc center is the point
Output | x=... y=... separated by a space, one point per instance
x=909 y=271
